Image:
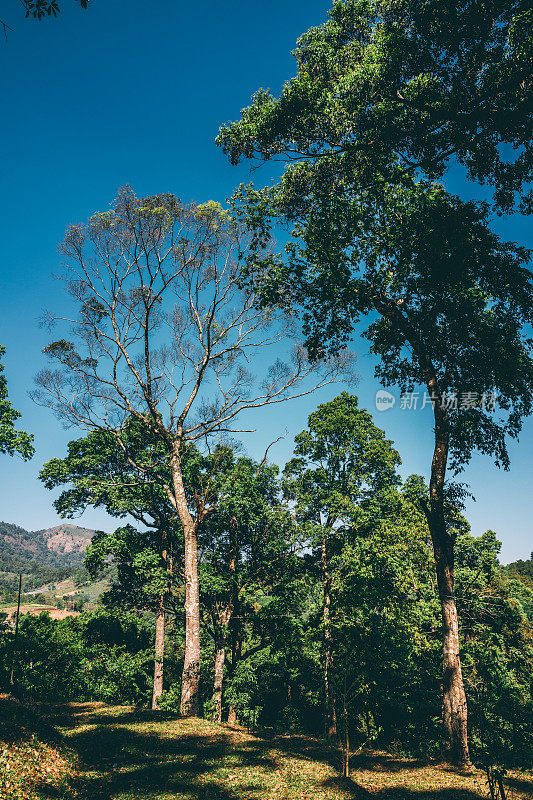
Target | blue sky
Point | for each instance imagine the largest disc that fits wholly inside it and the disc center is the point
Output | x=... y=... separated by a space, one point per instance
x=134 y=92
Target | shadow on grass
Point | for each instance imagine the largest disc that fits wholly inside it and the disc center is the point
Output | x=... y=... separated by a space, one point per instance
x=400 y=792
x=121 y=760
x=319 y=750
x=523 y=784
x=124 y=761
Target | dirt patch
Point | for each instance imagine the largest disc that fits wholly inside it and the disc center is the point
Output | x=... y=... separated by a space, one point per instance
x=55 y=613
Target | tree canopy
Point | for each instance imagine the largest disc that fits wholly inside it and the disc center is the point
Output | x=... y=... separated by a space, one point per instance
x=11 y=440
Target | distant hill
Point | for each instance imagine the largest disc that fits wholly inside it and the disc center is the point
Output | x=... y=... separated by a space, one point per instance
x=61 y=546
x=522 y=569
x=68 y=541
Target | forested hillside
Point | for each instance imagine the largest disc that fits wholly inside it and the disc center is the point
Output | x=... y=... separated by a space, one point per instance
x=26 y=551
x=46 y=556
x=522 y=569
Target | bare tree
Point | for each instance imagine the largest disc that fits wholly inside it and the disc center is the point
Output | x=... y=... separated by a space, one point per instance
x=166 y=331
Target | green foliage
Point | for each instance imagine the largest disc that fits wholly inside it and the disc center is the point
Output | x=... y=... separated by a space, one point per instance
x=97 y=656
x=386 y=85
x=38 y=9
x=11 y=440
x=497 y=655
x=522 y=570
x=344 y=467
x=380 y=88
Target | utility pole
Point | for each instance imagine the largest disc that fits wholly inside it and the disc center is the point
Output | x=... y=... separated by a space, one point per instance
x=12 y=676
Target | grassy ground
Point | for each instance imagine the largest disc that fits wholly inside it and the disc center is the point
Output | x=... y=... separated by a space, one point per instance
x=128 y=755
x=96 y=752
x=34 y=763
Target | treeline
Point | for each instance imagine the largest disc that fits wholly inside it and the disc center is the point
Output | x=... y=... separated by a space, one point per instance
x=318 y=603
x=522 y=569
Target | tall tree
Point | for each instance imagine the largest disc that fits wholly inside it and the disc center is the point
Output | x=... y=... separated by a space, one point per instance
x=164 y=332
x=11 y=440
x=411 y=84
x=383 y=93
x=101 y=472
x=342 y=478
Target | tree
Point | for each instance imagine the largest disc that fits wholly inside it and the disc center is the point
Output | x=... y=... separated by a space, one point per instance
x=11 y=440
x=498 y=656
x=448 y=302
x=161 y=313
x=341 y=479
x=384 y=85
x=102 y=473
x=246 y=564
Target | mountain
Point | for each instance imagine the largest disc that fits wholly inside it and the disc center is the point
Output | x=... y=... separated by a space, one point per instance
x=69 y=541
x=57 y=547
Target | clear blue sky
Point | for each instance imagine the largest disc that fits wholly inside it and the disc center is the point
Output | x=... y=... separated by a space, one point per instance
x=134 y=92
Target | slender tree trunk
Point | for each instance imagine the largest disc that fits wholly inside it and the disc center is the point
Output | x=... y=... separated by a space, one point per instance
x=330 y=717
x=160 y=625
x=220 y=657
x=235 y=661
x=220 y=660
x=159 y=653
x=346 y=748
x=190 y=678
x=454 y=706
x=237 y=622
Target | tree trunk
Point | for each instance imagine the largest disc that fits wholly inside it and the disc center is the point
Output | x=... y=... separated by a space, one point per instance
x=236 y=657
x=237 y=621
x=159 y=653
x=220 y=657
x=160 y=621
x=190 y=678
x=454 y=707
x=330 y=717
x=220 y=627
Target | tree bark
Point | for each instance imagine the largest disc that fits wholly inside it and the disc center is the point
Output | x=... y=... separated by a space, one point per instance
x=190 y=682
x=330 y=717
x=236 y=657
x=160 y=622
x=190 y=678
x=220 y=657
x=220 y=660
x=454 y=706
x=159 y=653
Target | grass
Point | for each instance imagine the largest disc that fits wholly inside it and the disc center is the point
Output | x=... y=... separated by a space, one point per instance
x=124 y=754
x=34 y=764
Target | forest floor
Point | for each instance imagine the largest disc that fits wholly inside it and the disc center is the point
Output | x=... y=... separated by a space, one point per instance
x=123 y=754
